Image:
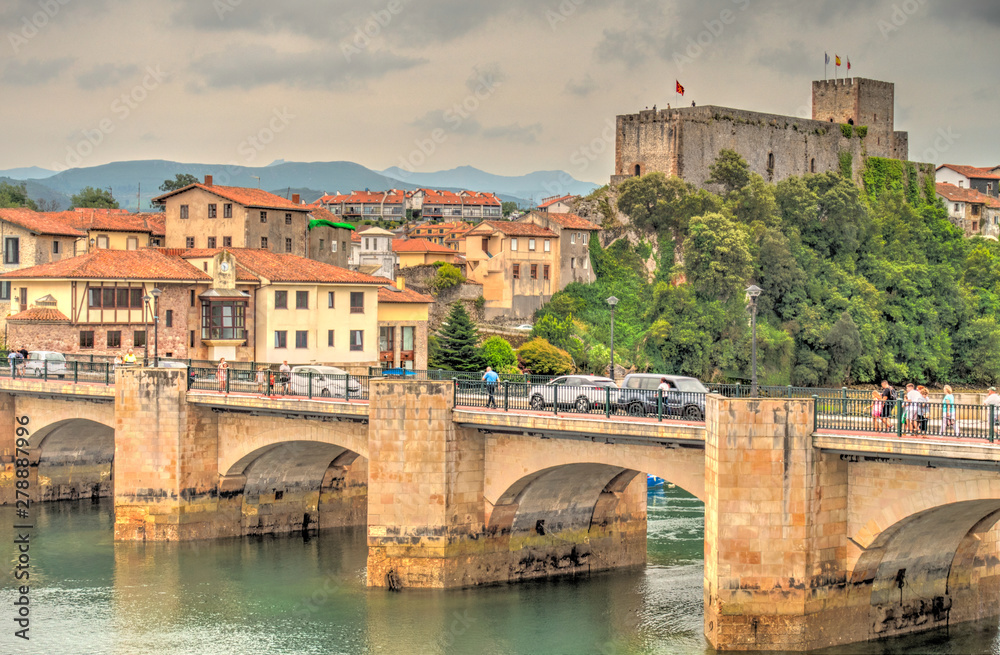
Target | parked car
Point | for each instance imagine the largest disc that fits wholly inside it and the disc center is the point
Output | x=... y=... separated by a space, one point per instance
x=40 y=361
x=580 y=392
x=327 y=381
x=527 y=327
x=639 y=393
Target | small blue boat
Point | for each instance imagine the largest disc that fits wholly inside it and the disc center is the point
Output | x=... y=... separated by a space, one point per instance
x=652 y=481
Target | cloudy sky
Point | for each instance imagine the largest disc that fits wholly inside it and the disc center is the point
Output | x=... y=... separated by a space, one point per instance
x=509 y=87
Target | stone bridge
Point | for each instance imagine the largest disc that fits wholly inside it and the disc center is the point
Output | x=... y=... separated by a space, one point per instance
x=811 y=539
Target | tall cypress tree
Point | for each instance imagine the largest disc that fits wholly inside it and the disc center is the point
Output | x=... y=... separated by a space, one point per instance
x=459 y=342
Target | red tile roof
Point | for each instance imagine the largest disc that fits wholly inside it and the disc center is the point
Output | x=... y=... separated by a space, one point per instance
x=39 y=223
x=572 y=222
x=278 y=267
x=517 y=229
x=394 y=295
x=419 y=245
x=390 y=197
x=40 y=315
x=145 y=264
x=95 y=219
x=551 y=201
x=960 y=194
x=242 y=195
x=972 y=171
x=324 y=215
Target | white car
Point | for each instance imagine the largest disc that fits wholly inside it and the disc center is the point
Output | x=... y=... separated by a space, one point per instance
x=326 y=381
x=580 y=392
x=527 y=327
x=42 y=362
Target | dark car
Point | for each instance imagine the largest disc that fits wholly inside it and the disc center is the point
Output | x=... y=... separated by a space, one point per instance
x=640 y=393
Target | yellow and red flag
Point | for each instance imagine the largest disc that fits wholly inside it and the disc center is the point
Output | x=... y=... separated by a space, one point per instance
x=838 y=59
x=680 y=89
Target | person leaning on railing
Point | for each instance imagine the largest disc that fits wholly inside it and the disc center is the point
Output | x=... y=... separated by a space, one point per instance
x=948 y=411
x=993 y=399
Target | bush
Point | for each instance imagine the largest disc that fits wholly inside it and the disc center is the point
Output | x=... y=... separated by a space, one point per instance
x=542 y=358
x=847 y=130
x=862 y=131
x=499 y=354
x=447 y=276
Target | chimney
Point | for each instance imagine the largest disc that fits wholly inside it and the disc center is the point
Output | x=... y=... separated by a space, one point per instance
x=401 y=283
x=295 y=199
x=208 y=180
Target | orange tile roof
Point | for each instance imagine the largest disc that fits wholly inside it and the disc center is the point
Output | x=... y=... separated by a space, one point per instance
x=419 y=245
x=40 y=315
x=551 y=201
x=279 y=267
x=972 y=171
x=518 y=229
x=394 y=295
x=572 y=222
x=390 y=197
x=961 y=194
x=90 y=219
x=241 y=195
x=144 y=264
x=39 y=223
x=324 y=215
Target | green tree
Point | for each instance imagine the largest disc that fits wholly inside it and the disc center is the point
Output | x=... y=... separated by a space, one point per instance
x=508 y=207
x=458 y=348
x=730 y=170
x=718 y=261
x=180 y=181
x=554 y=330
x=662 y=203
x=542 y=358
x=15 y=195
x=434 y=352
x=498 y=353
x=447 y=276
x=843 y=343
x=95 y=198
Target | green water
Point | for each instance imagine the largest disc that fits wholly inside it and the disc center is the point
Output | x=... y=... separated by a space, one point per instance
x=287 y=595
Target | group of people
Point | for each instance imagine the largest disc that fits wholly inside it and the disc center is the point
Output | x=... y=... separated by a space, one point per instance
x=128 y=359
x=17 y=360
x=915 y=410
x=268 y=384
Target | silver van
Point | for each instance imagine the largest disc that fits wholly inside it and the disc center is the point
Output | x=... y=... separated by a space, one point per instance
x=42 y=362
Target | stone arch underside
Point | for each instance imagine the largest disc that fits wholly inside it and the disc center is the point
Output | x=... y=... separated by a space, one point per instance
x=74 y=459
x=935 y=567
x=297 y=486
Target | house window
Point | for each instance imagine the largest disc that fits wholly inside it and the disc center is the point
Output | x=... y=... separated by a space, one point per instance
x=357 y=339
x=288 y=219
x=301 y=300
x=191 y=338
x=4 y=290
x=975 y=210
x=321 y=245
x=139 y=339
x=211 y=210
x=86 y=339
x=366 y=244
x=288 y=244
x=102 y=241
x=170 y=318
x=956 y=207
x=329 y=338
x=547 y=245
x=132 y=243
x=301 y=338
x=114 y=338
x=572 y=262
x=333 y=246
x=329 y=299
x=263 y=217
x=534 y=271
x=227 y=210
x=989 y=187
x=407 y=338
x=572 y=239
x=281 y=300
x=357 y=302
x=513 y=245
x=111 y=298
x=386 y=338
x=12 y=250
x=586 y=238
x=545 y=272
x=263 y=243
x=515 y=271
x=189 y=242
x=227 y=242
x=184 y=211
x=531 y=244
x=975 y=226
x=192 y=297
x=280 y=339
x=961 y=184
x=211 y=242
x=223 y=319
x=55 y=247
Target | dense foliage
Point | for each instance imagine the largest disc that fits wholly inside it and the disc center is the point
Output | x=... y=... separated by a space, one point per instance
x=457 y=347
x=15 y=195
x=498 y=353
x=94 y=198
x=447 y=276
x=542 y=358
x=858 y=285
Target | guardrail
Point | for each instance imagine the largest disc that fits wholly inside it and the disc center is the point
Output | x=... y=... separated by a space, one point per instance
x=905 y=418
x=71 y=371
x=272 y=383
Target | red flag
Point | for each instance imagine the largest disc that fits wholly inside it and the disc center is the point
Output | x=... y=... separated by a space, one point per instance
x=848 y=63
x=680 y=89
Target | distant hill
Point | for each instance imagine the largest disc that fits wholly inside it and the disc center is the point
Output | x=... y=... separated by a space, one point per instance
x=533 y=186
x=38 y=191
x=30 y=173
x=309 y=179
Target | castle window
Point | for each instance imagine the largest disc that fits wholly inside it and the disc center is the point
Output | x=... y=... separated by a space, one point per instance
x=812 y=166
x=637 y=170
x=770 y=161
x=850 y=121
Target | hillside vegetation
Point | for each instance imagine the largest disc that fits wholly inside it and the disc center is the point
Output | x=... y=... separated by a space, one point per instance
x=858 y=284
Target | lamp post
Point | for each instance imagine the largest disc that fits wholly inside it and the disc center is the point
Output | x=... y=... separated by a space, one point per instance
x=752 y=292
x=156 y=325
x=145 y=320
x=612 y=301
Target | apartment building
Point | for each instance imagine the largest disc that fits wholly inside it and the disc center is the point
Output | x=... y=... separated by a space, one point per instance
x=976 y=213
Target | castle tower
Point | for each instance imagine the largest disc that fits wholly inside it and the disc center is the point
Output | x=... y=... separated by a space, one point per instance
x=857 y=101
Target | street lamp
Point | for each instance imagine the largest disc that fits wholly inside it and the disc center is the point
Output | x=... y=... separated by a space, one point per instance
x=145 y=319
x=156 y=325
x=612 y=301
x=752 y=292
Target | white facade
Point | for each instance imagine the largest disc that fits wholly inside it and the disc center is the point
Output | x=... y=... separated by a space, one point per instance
x=374 y=248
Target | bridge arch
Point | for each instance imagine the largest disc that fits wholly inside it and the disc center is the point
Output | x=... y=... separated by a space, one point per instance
x=74 y=459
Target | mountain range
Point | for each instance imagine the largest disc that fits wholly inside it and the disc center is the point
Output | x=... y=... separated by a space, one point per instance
x=135 y=183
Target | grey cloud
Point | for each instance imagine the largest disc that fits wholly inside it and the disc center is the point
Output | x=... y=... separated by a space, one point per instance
x=789 y=59
x=514 y=132
x=449 y=121
x=486 y=75
x=583 y=88
x=32 y=72
x=248 y=67
x=104 y=75
x=987 y=11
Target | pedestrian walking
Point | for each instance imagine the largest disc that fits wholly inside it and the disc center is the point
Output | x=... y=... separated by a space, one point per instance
x=876 y=409
x=261 y=380
x=284 y=376
x=913 y=400
x=949 y=419
x=12 y=358
x=22 y=363
x=888 y=395
x=221 y=373
x=923 y=408
x=491 y=378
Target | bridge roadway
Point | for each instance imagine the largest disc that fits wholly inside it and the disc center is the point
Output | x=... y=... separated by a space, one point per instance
x=812 y=537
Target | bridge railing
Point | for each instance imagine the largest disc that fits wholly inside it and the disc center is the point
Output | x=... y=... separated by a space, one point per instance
x=903 y=418
x=272 y=383
x=65 y=371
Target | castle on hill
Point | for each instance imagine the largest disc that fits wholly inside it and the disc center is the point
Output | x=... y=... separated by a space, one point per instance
x=850 y=118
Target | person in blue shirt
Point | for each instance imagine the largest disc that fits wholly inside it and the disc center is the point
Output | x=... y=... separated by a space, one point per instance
x=491 y=378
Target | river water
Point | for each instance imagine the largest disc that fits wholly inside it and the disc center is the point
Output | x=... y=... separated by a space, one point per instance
x=286 y=595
